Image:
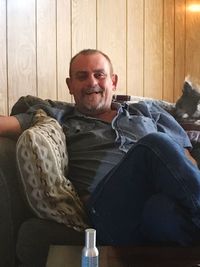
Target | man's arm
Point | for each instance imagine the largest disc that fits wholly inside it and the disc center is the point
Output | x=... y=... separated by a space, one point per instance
x=10 y=126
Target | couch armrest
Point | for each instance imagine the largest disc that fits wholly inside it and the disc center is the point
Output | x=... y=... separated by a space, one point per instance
x=7 y=152
x=13 y=210
x=8 y=168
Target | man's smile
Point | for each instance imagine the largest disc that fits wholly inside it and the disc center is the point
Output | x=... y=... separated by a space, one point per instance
x=94 y=90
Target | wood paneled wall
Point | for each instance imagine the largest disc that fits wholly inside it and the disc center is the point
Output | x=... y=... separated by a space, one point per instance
x=153 y=44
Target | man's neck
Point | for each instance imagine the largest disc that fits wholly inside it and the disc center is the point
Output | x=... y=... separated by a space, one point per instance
x=107 y=116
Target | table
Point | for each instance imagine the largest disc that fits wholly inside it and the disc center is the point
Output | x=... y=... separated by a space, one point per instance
x=70 y=256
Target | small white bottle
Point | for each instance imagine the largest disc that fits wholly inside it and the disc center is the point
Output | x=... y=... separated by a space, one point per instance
x=90 y=253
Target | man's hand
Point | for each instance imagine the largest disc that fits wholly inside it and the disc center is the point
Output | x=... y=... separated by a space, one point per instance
x=9 y=126
x=189 y=156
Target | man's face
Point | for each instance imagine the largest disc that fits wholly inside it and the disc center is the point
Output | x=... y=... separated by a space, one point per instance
x=92 y=84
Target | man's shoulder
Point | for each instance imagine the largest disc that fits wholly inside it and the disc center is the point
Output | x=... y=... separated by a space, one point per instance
x=151 y=104
x=24 y=103
x=137 y=105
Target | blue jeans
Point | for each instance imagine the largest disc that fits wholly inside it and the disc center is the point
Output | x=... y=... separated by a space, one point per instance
x=151 y=196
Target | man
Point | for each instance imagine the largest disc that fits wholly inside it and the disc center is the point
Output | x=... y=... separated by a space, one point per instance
x=130 y=164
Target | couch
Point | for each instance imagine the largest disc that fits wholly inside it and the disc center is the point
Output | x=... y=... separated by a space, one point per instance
x=25 y=238
x=18 y=225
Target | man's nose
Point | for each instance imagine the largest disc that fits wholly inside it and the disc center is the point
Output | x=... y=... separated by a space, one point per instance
x=92 y=81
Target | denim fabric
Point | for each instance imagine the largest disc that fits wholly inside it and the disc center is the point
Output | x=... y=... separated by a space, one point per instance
x=151 y=196
x=136 y=120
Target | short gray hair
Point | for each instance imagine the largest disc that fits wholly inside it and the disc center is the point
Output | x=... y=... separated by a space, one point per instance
x=89 y=52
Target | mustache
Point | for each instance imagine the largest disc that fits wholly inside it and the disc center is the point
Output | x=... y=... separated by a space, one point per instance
x=95 y=89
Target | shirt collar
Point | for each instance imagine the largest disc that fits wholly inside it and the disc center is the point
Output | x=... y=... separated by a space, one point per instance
x=114 y=105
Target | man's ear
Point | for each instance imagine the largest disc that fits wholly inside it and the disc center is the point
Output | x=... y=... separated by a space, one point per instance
x=114 y=80
x=68 y=82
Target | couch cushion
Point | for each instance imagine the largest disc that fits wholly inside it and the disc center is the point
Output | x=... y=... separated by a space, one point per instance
x=36 y=235
x=42 y=163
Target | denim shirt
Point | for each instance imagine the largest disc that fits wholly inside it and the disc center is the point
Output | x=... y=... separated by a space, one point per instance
x=95 y=146
x=139 y=119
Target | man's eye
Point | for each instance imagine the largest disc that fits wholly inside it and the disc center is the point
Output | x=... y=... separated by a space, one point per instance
x=100 y=75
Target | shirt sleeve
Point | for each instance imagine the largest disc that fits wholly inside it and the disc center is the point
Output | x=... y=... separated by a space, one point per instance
x=24 y=119
x=26 y=107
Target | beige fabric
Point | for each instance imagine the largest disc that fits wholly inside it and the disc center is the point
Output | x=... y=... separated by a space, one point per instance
x=42 y=162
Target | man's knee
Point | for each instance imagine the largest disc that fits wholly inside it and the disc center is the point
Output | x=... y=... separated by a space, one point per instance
x=162 y=144
x=155 y=139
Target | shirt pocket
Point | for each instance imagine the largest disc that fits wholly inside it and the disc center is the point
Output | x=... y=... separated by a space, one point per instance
x=135 y=127
x=76 y=127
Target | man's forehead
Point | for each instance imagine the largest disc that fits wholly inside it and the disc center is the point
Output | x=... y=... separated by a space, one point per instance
x=90 y=62
x=86 y=71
